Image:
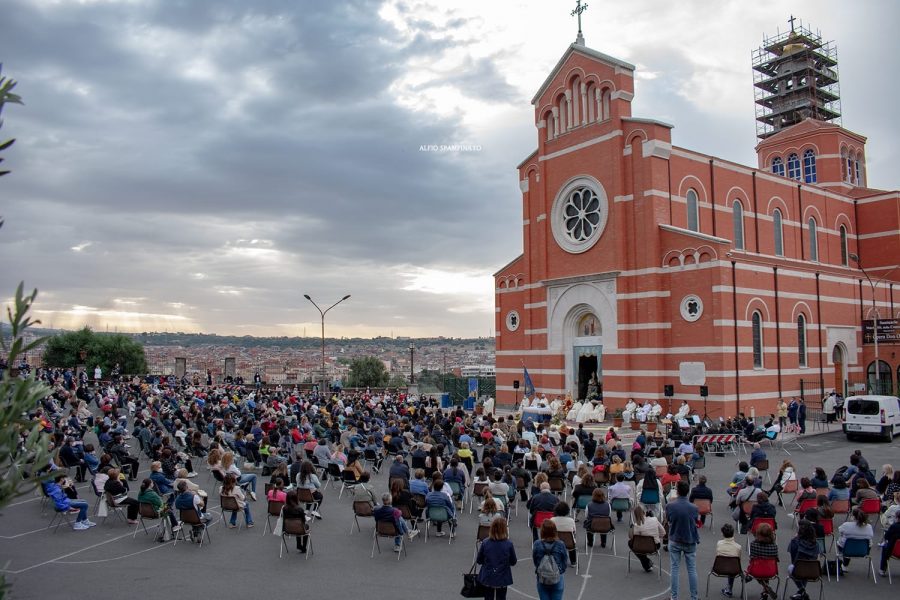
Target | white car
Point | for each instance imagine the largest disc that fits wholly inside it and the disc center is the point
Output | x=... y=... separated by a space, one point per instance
x=872 y=416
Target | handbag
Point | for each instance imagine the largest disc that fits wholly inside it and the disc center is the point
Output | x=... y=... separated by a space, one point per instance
x=472 y=588
x=279 y=526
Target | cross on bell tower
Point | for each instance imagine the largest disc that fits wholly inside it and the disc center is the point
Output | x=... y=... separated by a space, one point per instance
x=579 y=8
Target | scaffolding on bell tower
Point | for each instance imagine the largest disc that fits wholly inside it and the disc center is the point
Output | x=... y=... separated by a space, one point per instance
x=795 y=77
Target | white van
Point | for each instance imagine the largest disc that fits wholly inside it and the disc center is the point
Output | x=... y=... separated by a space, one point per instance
x=872 y=416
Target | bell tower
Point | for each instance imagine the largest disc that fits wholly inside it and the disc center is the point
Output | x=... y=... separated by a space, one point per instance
x=795 y=77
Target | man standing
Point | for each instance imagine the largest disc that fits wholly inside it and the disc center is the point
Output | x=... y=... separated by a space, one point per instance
x=683 y=538
x=801 y=416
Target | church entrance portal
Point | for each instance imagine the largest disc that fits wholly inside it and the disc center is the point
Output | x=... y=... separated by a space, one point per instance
x=587 y=366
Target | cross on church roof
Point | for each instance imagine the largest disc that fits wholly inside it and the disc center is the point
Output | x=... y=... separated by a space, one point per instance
x=579 y=8
x=791 y=21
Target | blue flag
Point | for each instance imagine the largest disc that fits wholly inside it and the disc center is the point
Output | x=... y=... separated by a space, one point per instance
x=529 y=385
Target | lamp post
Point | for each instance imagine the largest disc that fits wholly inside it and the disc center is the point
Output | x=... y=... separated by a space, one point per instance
x=874 y=284
x=322 y=313
x=412 y=351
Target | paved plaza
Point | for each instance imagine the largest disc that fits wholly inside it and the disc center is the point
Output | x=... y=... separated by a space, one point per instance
x=108 y=561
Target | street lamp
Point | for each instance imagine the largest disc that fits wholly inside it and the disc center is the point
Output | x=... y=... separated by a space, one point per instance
x=412 y=351
x=855 y=258
x=322 y=313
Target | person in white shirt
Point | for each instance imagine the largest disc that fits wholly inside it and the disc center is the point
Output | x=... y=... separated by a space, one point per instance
x=856 y=528
x=728 y=547
x=683 y=411
x=565 y=523
x=655 y=411
x=643 y=524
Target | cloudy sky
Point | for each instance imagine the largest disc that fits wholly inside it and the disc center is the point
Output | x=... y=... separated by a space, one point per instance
x=191 y=165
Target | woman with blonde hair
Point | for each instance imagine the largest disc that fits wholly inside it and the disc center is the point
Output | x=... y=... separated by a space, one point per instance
x=214 y=459
x=245 y=480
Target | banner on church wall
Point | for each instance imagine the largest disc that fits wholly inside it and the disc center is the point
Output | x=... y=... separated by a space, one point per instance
x=888 y=331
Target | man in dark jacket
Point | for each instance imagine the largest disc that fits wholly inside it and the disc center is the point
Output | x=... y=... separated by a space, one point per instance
x=701 y=492
x=544 y=501
x=803 y=547
x=891 y=537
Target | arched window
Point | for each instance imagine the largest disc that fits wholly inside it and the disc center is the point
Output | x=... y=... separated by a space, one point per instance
x=801 y=339
x=845 y=255
x=857 y=171
x=757 y=341
x=884 y=383
x=604 y=103
x=813 y=240
x=809 y=166
x=737 y=215
x=548 y=118
x=778 y=166
x=793 y=167
x=693 y=215
x=848 y=174
x=779 y=233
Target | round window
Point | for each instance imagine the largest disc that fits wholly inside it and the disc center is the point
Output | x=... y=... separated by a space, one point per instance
x=579 y=214
x=512 y=320
x=691 y=308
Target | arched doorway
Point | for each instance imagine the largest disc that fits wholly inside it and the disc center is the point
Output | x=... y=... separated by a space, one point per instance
x=587 y=357
x=884 y=383
x=838 y=358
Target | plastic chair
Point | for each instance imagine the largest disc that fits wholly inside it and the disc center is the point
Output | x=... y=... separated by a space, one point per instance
x=191 y=517
x=597 y=526
x=841 y=507
x=147 y=512
x=763 y=467
x=581 y=504
x=751 y=533
x=649 y=498
x=558 y=486
x=856 y=548
x=764 y=570
x=540 y=517
x=62 y=515
x=272 y=510
x=790 y=487
x=704 y=507
x=305 y=496
x=568 y=538
x=295 y=527
x=435 y=515
x=895 y=555
x=872 y=508
x=727 y=566
x=808 y=571
x=229 y=504
x=361 y=508
x=348 y=482
x=477 y=492
x=646 y=545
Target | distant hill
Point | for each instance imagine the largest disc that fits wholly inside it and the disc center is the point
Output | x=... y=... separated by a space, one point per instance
x=211 y=339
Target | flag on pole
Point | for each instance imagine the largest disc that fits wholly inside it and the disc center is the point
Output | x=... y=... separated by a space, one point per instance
x=529 y=385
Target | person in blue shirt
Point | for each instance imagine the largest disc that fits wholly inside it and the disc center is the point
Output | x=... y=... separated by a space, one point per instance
x=683 y=538
x=757 y=456
x=62 y=503
x=387 y=512
x=438 y=497
x=496 y=555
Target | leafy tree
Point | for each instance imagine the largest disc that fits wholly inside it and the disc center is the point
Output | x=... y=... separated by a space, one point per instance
x=6 y=95
x=23 y=446
x=367 y=372
x=398 y=380
x=90 y=348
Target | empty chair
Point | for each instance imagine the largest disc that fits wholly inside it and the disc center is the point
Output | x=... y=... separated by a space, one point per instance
x=361 y=508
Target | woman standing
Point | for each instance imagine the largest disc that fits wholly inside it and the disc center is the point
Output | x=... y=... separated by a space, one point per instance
x=550 y=545
x=496 y=555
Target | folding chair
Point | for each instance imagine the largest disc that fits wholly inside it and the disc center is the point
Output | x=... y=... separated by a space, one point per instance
x=272 y=510
x=856 y=548
x=372 y=457
x=763 y=467
x=61 y=516
x=219 y=476
x=646 y=545
x=229 y=504
x=704 y=507
x=727 y=566
x=841 y=507
x=801 y=509
x=334 y=473
x=764 y=570
x=189 y=517
x=407 y=515
x=297 y=528
x=438 y=514
x=872 y=508
x=807 y=571
x=387 y=529
x=568 y=538
x=361 y=508
x=600 y=526
x=828 y=529
x=790 y=487
x=147 y=512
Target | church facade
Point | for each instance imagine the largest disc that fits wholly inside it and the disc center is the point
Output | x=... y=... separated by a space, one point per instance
x=652 y=265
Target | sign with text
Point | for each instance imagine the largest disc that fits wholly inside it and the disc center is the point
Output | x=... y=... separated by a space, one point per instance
x=888 y=331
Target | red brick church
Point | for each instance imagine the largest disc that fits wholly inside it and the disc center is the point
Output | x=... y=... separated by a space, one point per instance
x=653 y=265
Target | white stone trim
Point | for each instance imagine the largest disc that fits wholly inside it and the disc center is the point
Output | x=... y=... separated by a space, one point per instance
x=627 y=198
x=541 y=217
x=533 y=305
x=523 y=185
x=642 y=326
x=640 y=295
x=656 y=148
x=869 y=236
x=536 y=331
x=582 y=145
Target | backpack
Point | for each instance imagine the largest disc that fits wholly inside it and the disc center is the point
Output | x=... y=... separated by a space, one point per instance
x=547 y=570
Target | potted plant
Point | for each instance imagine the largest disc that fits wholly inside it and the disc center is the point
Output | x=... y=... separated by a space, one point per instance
x=651 y=426
x=617 y=418
x=636 y=425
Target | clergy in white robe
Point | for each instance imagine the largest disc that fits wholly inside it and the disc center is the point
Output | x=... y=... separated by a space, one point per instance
x=630 y=408
x=488 y=407
x=585 y=413
x=525 y=403
x=655 y=411
x=683 y=411
x=573 y=412
x=599 y=413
